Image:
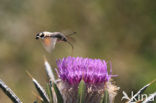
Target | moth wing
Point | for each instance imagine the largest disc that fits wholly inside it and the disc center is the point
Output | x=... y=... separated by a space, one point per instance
x=71 y=38
x=49 y=43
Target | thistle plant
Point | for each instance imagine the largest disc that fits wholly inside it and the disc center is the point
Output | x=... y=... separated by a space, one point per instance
x=90 y=73
x=80 y=80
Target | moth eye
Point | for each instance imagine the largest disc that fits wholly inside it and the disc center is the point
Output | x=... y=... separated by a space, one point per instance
x=42 y=35
x=37 y=36
x=64 y=39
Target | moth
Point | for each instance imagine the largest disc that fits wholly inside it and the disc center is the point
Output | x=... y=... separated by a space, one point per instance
x=49 y=39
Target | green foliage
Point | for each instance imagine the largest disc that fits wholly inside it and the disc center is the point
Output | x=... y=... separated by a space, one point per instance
x=49 y=92
x=81 y=92
x=9 y=92
x=41 y=91
x=58 y=94
x=105 y=97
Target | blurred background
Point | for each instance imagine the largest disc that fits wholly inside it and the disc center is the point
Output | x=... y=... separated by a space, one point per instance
x=123 y=31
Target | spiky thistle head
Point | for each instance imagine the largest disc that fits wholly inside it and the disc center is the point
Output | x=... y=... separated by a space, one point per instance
x=93 y=72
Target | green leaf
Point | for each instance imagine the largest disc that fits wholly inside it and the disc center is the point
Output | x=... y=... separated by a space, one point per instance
x=49 y=91
x=105 y=97
x=9 y=92
x=81 y=91
x=41 y=91
x=58 y=94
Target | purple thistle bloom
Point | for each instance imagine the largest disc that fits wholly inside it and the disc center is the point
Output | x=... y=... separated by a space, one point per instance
x=74 y=69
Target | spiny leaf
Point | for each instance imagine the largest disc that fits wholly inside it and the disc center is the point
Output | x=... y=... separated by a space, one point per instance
x=9 y=92
x=58 y=94
x=49 y=70
x=141 y=91
x=40 y=89
x=81 y=91
x=49 y=91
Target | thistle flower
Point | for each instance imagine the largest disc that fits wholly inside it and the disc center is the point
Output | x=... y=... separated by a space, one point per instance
x=93 y=72
x=74 y=69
